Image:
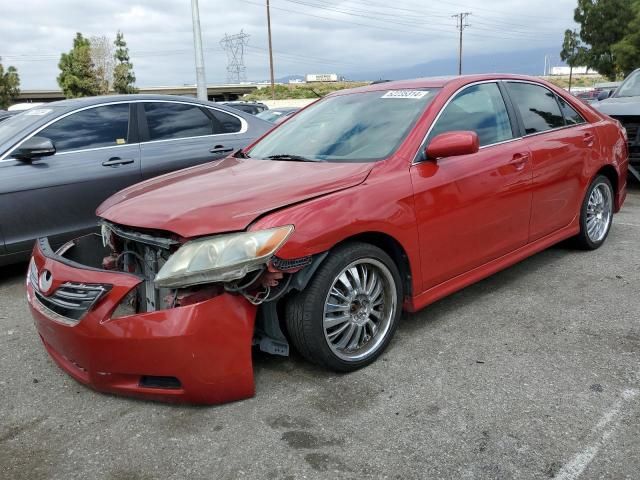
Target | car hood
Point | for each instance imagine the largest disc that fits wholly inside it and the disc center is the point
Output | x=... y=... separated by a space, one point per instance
x=227 y=195
x=618 y=106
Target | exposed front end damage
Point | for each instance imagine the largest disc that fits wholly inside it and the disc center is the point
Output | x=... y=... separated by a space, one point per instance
x=105 y=321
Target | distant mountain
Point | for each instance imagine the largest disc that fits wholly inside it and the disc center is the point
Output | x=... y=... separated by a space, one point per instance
x=289 y=77
x=528 y=62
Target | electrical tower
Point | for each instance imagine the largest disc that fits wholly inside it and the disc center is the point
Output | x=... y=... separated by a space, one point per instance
x=461 y=24
x=234 y=46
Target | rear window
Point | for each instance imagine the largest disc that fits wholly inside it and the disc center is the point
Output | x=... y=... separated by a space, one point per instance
x=537 y=106
x=168 y=121
x=571 y=117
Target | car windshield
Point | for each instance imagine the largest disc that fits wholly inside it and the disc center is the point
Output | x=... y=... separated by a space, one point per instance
x=271 y=115
x=16 y=124
x=353 y=127
x=630 y=87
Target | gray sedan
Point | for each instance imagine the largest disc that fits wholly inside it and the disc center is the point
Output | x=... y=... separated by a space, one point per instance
x=59 y=161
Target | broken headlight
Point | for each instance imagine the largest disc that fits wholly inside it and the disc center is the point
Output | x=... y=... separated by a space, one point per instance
x=222 y=258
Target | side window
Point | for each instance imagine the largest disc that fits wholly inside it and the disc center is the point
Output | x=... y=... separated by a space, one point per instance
x=480 y=108
x=176 y=120
x=224 y=122
x=537 y=106
x=571 y=117
x=104 y=126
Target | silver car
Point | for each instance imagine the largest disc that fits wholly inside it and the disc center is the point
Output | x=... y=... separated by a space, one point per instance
x=59 y=161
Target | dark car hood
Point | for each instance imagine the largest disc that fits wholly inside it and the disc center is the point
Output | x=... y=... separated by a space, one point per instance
x=227 y=195
x=618 y=106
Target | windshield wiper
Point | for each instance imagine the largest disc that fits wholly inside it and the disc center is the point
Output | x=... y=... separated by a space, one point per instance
x=292 y=158
x=241 y=154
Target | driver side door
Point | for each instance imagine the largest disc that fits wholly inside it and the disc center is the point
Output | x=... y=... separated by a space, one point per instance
x=472 y=209
x=56 y=196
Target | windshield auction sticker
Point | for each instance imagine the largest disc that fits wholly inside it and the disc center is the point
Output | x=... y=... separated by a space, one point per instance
x=405 y=94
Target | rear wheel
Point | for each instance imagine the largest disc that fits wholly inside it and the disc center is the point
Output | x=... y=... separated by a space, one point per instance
x=596 y=214
x=346 y=316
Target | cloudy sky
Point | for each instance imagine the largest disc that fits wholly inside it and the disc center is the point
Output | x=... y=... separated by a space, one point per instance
x=309 y=36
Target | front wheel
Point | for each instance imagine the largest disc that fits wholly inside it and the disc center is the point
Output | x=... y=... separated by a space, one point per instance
x=596 y=214
x=348 y=313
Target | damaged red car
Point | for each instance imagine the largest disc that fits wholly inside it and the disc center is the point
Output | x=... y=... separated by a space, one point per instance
x=369 y=202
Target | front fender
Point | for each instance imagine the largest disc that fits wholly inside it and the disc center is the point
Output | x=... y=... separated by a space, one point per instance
x=382 y=204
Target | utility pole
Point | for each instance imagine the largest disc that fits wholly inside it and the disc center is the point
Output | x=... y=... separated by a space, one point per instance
x=201 y=82
x=461 y=24
x=273 y=84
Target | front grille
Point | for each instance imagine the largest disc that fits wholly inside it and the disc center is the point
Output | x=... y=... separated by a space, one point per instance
x=71 y=301
x=632 y=126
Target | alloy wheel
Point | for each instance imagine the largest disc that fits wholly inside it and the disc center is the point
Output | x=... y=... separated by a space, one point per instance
x=359 y=309
x=599 y=212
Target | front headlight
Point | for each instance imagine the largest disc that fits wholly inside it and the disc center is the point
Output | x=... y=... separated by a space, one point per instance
x=221 y=258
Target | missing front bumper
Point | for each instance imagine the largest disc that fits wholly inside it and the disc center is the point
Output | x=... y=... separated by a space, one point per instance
x=206 y=346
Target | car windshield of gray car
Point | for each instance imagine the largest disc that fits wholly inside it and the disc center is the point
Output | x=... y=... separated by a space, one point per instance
x=354 y=127
x=630 y=87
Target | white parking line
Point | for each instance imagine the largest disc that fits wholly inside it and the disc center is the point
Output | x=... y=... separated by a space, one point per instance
x=628 y=224
x=602 y=431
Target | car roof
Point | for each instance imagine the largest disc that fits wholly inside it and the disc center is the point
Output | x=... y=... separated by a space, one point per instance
x=89 y=101
x=438 y=82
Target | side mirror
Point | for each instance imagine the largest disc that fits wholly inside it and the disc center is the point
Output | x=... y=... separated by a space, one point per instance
x=452 y=144
x=604 y=94
x=34 y=148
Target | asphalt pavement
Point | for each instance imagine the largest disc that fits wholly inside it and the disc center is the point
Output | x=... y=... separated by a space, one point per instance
x=532 y=373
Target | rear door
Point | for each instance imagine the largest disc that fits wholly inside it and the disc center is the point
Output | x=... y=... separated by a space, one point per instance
x=561 y=143
x=96 y=155
x=179 y=135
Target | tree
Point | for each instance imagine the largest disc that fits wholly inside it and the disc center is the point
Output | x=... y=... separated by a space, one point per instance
x=103 y=60
x=9 y=85
x=77 y=72
x=123 y=76
x=603 y=23
x=627 y=51
x=572 y=52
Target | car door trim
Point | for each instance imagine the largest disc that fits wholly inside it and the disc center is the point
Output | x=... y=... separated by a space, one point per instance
x=244 y=126
x=243 y=129
x=518 y=122
x=417 y=160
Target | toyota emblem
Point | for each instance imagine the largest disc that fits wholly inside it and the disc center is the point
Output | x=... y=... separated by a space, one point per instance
x=45 y=280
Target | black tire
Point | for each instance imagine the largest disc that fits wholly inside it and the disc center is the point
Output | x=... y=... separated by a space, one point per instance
x=583 y=240
x=305 y=311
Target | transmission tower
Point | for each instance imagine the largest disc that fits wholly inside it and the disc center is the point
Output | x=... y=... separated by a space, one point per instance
x=234 y=46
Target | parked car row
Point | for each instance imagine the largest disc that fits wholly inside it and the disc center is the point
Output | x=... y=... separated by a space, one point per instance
x=59 y=161
x=369 y=202
x=623 y=104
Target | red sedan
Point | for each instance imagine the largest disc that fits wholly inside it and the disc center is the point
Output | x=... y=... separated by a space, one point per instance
x=368 y=202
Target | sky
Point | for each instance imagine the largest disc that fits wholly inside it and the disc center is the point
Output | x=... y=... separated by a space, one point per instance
x=309 y=36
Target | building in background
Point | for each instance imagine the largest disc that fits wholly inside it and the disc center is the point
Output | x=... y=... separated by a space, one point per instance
x=564 y=70
x=323 y=77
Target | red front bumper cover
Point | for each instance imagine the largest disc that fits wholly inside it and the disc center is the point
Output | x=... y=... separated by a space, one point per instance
x=203 y=349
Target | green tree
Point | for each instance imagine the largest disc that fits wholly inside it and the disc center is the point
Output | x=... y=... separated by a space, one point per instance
x=9 y=85
x=603 y=23
x=627 y=51
x=77 y=73
x=572 y=52
x=123 y=76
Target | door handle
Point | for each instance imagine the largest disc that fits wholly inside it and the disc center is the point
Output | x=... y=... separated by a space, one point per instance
x=519 y=160
x=588 y=139
x=221 y=149
x=116 y=162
